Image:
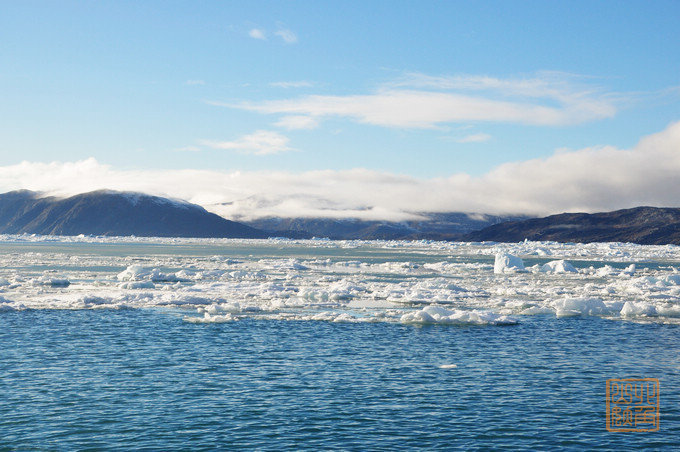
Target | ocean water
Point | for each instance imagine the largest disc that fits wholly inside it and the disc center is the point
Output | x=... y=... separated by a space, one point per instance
x=167 y=344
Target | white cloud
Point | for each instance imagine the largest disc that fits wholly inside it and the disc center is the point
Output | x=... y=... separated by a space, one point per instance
x=261 y=142
x=257 y=33
x=195 y=82
x=297 y=122
x=475 y=138
x=288 y=36
x=592 y=179
x=421 y=101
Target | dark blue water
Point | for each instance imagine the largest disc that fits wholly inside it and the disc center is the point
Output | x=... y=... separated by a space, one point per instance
x=144 y=379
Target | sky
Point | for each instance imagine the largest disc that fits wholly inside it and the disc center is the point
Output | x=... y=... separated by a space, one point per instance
x=368 y=109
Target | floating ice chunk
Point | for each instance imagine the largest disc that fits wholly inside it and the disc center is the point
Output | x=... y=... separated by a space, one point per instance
x=92 y=300
x=139 y=273
x=569 y=307
x=608 y=270
x=638 y=309
x=560 y=266
x=344 y=317
x=536 y=310
x=137 y=285
x=605 y=271
x=629 y=271
x=232 y=308
x=507 y=263
x=328 y=316
x=668 y=310
x=54 y=281
x=209 y=318
x=132 y=273
x=184 y=275
x=439 y=315
x=448 y=366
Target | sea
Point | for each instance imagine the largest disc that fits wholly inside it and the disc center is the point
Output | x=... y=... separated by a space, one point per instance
x=216 y=344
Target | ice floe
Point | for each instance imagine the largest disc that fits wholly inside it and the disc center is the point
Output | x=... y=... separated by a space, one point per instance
x=507 y=263
x=559 y=266
x=415 y=283
x=440 y=315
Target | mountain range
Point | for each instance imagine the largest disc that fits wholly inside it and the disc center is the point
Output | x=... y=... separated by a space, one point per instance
x=111 y=213
x=643 y=225
x=434 y=226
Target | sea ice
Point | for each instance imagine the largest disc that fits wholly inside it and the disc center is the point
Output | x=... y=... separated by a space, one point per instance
x=569 y=307
x=437 y=314
x=559 y=266
x=507 y=263
x=638 y=308
x=351 y=281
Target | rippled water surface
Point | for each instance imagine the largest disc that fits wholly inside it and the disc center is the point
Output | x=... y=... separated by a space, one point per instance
x=127 y=344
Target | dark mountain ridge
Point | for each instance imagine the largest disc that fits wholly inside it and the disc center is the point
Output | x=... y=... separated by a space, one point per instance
x=436 y=226
x=111 y=213
x=643 y=225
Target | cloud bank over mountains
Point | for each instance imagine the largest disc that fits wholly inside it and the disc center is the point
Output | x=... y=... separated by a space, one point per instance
x=591 y=179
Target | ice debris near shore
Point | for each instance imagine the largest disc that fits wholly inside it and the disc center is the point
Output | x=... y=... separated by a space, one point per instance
x=414 y=283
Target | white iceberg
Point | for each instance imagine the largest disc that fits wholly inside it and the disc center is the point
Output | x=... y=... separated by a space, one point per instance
x=507 y=263
x=560 y=266
x=570 y=307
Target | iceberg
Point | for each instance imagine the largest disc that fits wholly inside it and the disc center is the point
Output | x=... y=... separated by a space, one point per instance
x=571 y=307
x=507 y=263
x=560 y=266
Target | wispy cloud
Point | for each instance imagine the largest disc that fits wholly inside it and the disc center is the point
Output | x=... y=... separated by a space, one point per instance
x=474 y=138
x=297 y=122
x=261 y=142
x=591 y=179
x=288 y=36
x=420 y=101
x=188 y=149
x=194 y=82
x=295 y=84
x=257 y=33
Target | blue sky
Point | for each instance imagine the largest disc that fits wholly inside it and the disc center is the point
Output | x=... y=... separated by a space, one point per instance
x=414 y=89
